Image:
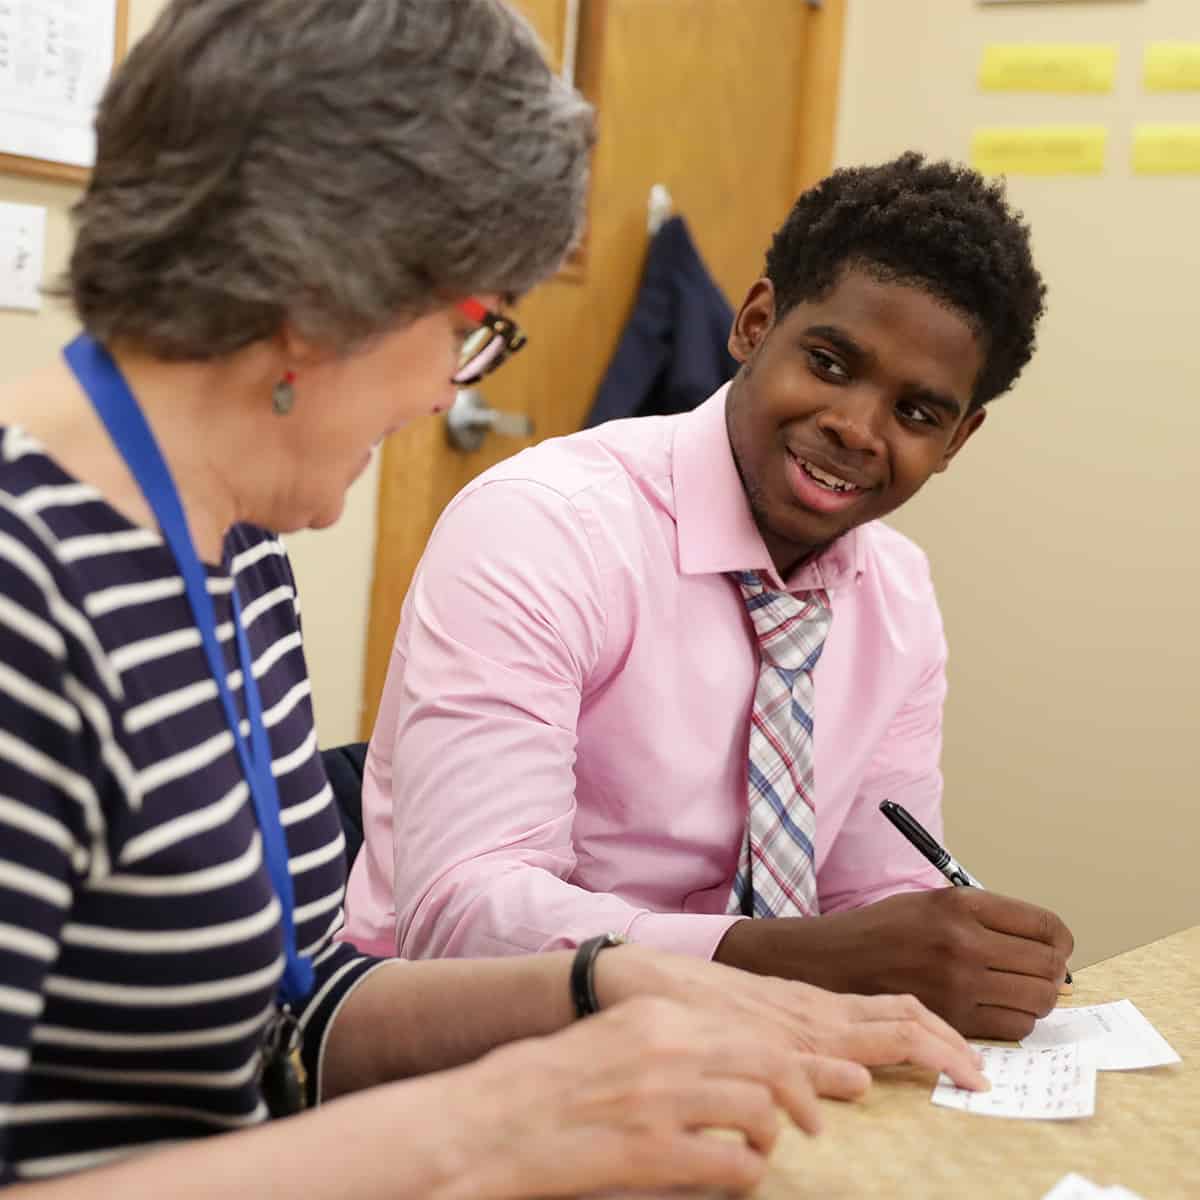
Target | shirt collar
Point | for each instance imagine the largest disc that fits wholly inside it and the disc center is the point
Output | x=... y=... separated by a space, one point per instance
x=716 y=530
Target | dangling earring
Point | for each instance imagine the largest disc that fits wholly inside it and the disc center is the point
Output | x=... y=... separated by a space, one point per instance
x=283 y=397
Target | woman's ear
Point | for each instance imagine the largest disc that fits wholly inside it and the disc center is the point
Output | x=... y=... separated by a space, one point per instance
x=299 y=351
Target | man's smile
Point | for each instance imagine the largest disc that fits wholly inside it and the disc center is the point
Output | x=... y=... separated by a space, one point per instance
x=820 y=489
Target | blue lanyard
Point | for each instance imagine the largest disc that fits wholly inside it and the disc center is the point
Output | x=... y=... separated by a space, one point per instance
x=116 y=406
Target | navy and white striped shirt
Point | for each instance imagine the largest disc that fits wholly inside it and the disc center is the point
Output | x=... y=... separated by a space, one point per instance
x=140 y=941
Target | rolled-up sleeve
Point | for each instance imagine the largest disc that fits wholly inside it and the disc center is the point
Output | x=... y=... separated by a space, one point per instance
x=338 y=970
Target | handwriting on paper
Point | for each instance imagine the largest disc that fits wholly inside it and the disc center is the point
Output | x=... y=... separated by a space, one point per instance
x=1050 y=1083
x=1116 y=1037
x=55 y=57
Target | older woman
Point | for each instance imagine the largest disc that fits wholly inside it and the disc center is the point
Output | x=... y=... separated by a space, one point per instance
x=304 y=223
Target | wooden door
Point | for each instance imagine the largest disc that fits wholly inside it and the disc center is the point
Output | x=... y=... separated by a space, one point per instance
x=728 y=103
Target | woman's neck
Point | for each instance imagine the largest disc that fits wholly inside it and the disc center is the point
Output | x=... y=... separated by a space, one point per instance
x=205 y=430
x=205 y=417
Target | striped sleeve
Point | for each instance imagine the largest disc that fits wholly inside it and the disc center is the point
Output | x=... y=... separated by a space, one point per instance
x=338 y=966
x=52 y=834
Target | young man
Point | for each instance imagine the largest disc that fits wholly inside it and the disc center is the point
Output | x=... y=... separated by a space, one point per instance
x=661 y=674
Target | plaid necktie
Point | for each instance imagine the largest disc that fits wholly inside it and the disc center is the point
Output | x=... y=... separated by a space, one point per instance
x=776 y=876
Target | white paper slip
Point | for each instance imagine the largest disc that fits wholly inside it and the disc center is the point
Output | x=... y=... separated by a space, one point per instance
x=22 y=236
x=1054 y=1083
x=1078 y=1187
x=1115 y=1036
x=1074 y=1187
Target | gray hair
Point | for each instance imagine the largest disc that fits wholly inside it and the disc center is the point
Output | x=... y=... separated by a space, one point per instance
x=341 y=165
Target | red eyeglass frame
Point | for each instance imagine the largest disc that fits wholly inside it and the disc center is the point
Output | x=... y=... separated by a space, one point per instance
x=509 y=333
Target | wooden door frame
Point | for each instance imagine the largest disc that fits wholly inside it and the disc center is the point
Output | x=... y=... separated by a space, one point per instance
x=817 y=108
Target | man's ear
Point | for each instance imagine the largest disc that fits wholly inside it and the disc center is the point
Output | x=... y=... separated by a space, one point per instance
x=970 y=423
x=754 y=320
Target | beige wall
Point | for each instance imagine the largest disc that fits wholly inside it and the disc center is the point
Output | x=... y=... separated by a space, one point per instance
x=333 y=569
x=1066 y=540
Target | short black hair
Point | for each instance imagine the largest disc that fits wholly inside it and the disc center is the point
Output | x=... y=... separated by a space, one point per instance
x=939 y=226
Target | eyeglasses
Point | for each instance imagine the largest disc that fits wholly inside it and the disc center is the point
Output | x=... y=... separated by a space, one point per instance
x=485 y=348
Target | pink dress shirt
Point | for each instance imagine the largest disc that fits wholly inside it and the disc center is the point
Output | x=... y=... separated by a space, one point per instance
x=562 y=744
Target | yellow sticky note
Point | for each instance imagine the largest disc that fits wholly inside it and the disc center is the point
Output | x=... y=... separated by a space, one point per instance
x=1048 y=68
x=1171 y=67
x=1166 y=150
x=1039 y=149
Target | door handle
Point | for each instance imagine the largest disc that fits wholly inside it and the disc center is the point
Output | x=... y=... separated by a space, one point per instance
x=469 y=420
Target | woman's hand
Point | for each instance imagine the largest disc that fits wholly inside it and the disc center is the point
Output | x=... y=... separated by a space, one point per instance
x=872 y=1030
x=623 y=1100
x=617 y=1102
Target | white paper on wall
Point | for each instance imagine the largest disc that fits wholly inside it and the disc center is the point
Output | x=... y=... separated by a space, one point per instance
x=55 y=58
x=22 y=242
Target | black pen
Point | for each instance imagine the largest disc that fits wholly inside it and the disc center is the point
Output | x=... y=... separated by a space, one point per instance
x=919 y=836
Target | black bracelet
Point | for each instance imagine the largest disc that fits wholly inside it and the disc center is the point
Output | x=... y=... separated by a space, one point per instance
x=583 y=972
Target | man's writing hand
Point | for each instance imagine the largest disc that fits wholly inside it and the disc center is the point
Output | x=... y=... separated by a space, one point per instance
x=988 y=964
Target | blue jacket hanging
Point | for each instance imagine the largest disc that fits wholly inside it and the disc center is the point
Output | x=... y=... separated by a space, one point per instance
x=672 y=354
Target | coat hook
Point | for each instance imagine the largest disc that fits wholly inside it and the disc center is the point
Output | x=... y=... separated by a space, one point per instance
x=659 y=208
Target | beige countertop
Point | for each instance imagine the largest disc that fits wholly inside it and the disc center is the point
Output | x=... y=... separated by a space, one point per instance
x=1145 y=1133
